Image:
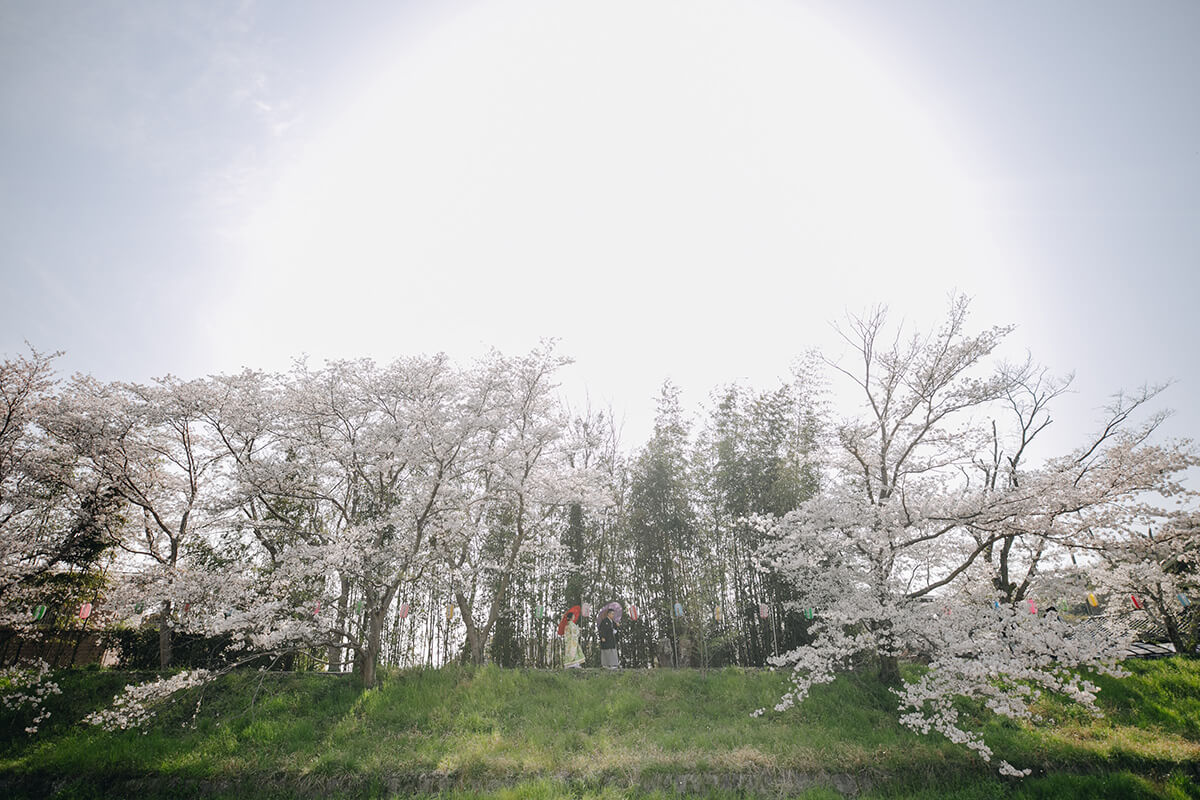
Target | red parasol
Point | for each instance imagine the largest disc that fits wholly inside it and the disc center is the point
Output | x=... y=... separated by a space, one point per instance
x=572 y=613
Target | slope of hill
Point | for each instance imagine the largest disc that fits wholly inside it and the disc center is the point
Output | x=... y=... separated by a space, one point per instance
x=512 y=733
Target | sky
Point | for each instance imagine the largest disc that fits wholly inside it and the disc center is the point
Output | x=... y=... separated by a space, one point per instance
x=688 y=190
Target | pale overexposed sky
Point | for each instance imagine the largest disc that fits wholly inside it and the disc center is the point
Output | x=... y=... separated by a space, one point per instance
x=676 y=189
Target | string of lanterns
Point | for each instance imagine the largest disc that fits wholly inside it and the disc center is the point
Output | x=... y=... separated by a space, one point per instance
x=84 y=611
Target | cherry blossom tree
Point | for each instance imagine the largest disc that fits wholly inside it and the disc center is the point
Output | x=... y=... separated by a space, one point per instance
x=150 y=445
x=1155 y=571
x=895 y=551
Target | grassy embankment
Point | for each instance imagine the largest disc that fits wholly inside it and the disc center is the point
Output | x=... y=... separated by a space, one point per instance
x=525 y=734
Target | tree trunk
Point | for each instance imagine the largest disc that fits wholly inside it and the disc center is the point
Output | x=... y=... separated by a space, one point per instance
x=334 y=652
x=575 y=552
x=1173 y=632
x=164 y=636
x=889 y=670
x=370 y=654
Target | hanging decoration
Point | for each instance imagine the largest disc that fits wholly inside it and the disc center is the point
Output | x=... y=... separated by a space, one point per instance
x=403 y=610
x=808 y=613
x=539 y=612
x=764 y=611
x=996 y=604
x=1183 y=600
x=39 y=612
x=187 y=607
x=1032 y=606
x=317 y=609
x=1092 y=601
x=85 y=610
x=633 y=612
x=679 y=609
x=449 y=611
x=717 y=613
x=585 y=609
x=1136 y=604
x=358 y=607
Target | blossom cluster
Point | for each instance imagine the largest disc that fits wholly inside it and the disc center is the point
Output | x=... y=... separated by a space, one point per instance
x=138 y=703
x=27 y=684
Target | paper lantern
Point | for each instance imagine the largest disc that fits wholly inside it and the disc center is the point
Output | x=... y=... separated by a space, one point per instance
x=39 y=612
x=85 y=610
x=633 y=612
x=1136 y=604
x=403 y=610
x=679 y=609
x=1092 y=601
x=763 y=611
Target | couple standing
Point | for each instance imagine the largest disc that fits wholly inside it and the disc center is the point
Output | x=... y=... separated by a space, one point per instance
x=609 y=629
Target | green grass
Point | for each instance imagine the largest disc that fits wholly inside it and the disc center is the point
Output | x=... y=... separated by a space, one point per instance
x=489 y=732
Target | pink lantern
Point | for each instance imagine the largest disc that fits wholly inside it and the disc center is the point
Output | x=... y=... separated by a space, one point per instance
x=85 y=610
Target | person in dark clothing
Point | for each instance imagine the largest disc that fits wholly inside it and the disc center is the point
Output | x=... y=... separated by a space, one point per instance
x=608 y=640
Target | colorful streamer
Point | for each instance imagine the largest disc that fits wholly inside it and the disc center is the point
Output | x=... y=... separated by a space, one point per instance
x=1092 y=601
x=1136 y=604
x=449 y=611
x=808 y=613
x=1032 y=606
x=39 y=612
x=633 y=613
x=358 y=607
x=85 y=610
x=717 y=613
